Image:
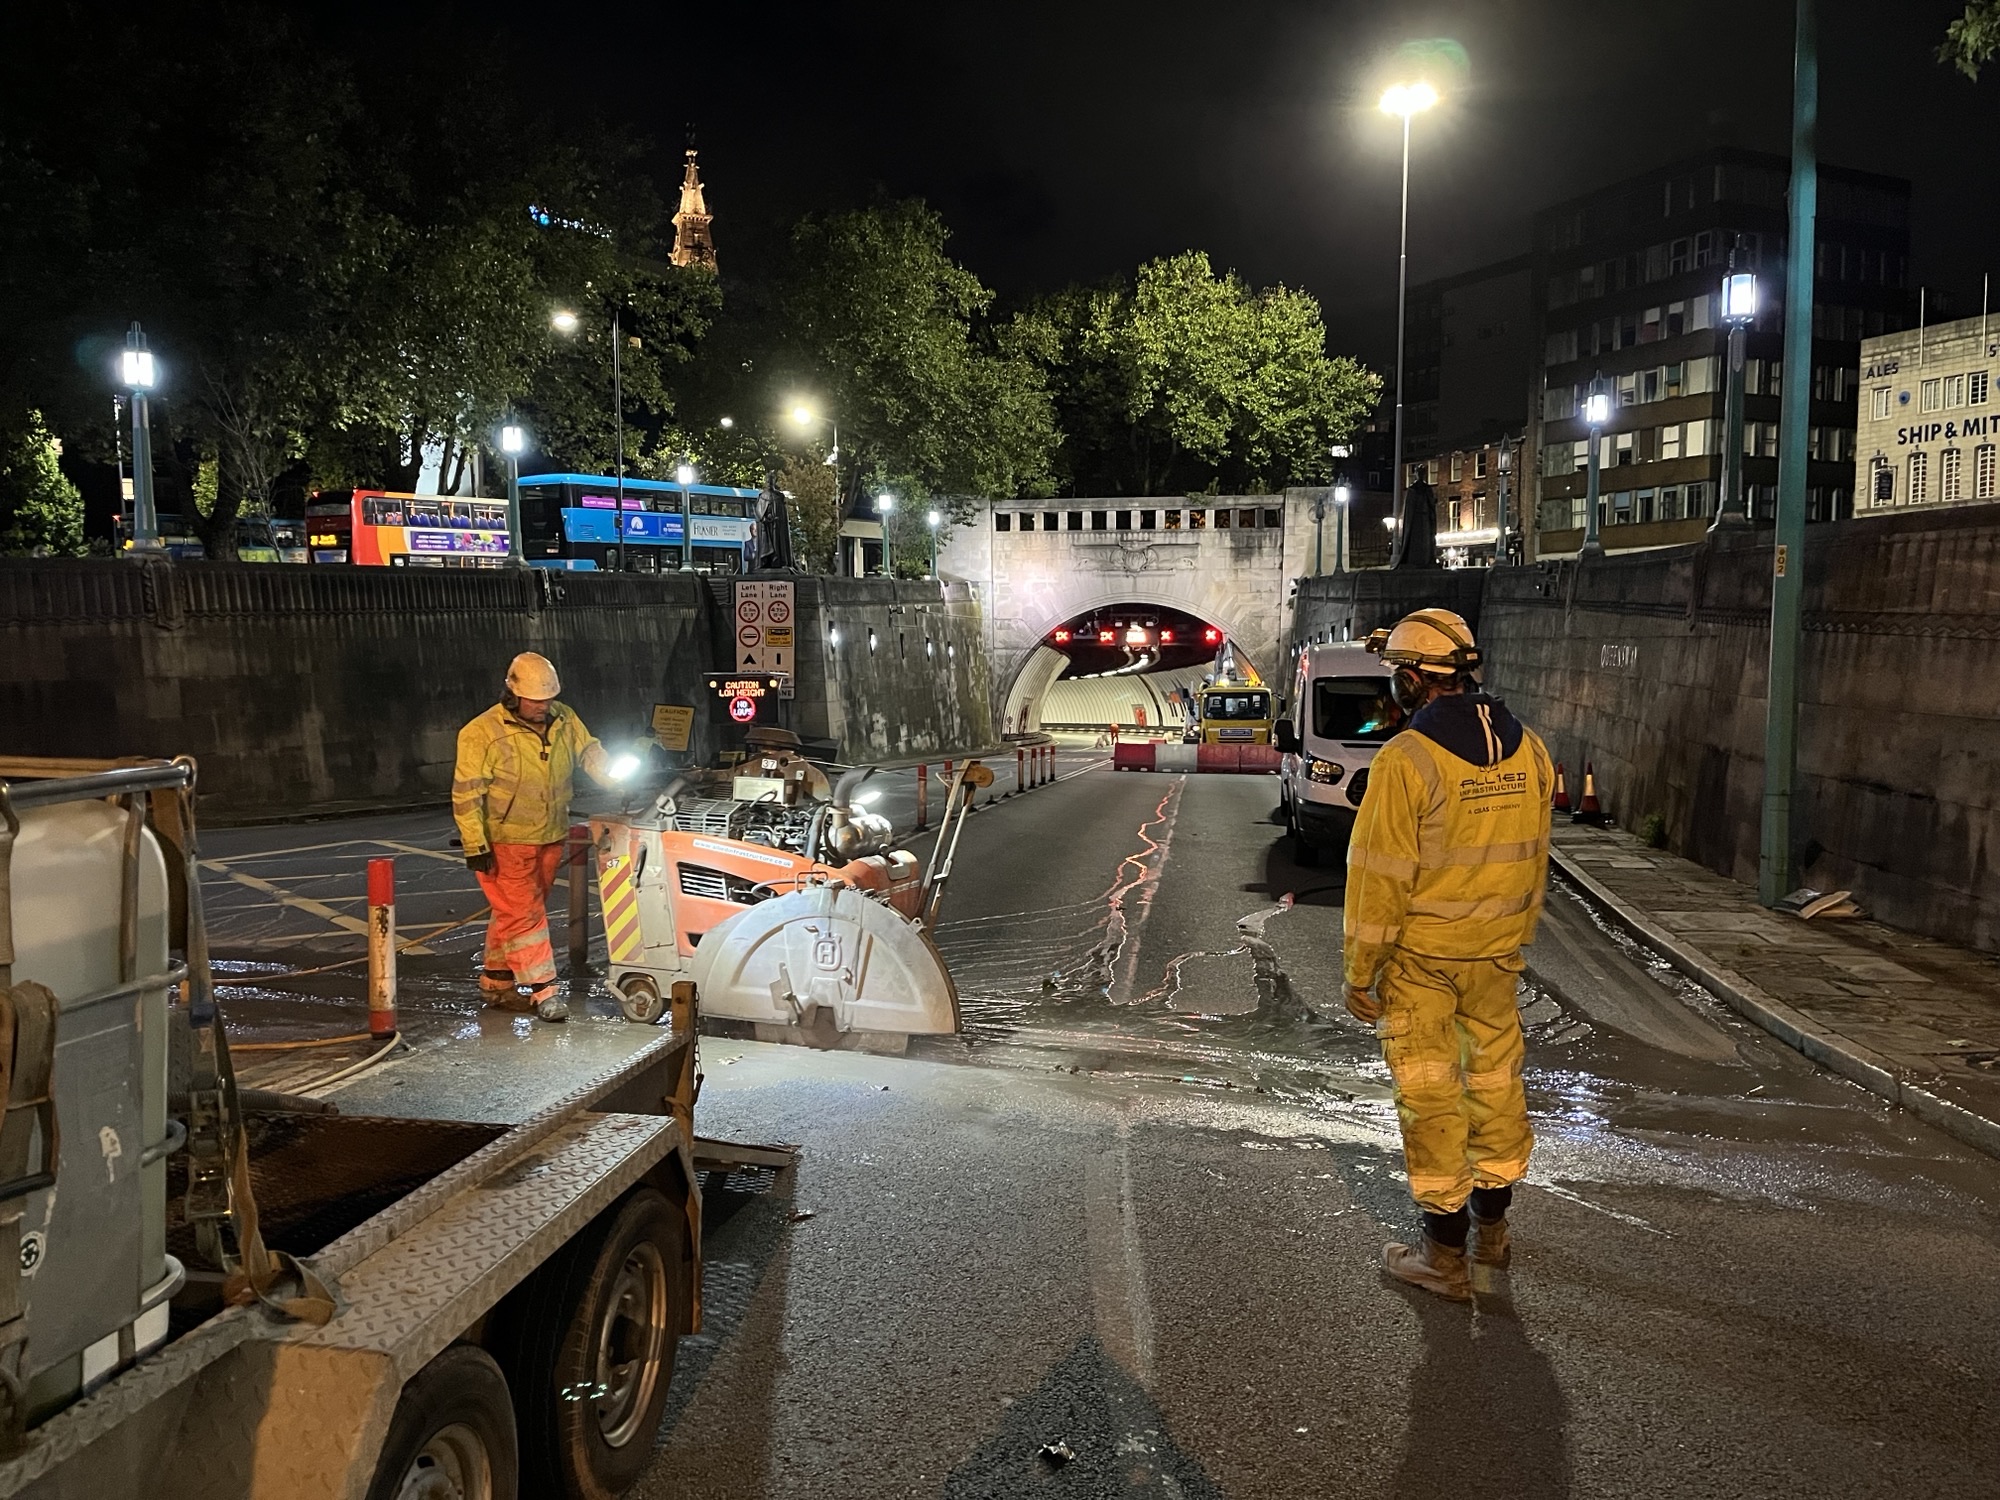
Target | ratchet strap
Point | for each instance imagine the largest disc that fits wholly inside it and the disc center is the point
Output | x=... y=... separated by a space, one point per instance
x=28 y=1014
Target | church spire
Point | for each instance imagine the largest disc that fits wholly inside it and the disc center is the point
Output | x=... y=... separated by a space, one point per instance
x=692 y=244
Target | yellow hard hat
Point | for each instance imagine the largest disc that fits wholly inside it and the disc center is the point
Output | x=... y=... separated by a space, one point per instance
x=532 y=675
x=1430 y=640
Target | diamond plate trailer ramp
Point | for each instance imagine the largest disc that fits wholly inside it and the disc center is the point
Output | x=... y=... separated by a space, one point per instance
x=246 y=1404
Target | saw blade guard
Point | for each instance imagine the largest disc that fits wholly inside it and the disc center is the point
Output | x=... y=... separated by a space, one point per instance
x=831 y=949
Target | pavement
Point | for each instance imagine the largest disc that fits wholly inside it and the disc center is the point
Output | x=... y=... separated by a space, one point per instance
x=1907 y=1017
x=1136 y=1210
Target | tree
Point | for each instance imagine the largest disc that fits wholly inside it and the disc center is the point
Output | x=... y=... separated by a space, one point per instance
x=40 y=510
x=1189 y=380
x=815 y=508
x=1971 y=40
x=880 y=327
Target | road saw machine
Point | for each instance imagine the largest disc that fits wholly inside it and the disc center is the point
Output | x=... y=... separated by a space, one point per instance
x=783 y=899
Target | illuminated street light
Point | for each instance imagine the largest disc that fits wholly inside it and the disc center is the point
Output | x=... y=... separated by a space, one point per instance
x=726 y=423
x=1596 y=412
x=1341 y=495
x=1739 y=311
x=138 y=372
x=1405 y=100
x=885 y=507
x=936 y=519
x=684 y=475
x=513 y=443
x=563 y=320
x=1408 y=99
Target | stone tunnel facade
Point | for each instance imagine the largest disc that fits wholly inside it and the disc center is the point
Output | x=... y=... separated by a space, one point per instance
x=1227 y=559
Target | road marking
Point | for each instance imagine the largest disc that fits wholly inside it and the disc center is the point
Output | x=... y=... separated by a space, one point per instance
x=320 y=909
x=450 y=859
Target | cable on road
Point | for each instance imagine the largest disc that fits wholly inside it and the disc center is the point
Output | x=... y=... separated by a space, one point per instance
x=395 y=1040
x=316 y=1041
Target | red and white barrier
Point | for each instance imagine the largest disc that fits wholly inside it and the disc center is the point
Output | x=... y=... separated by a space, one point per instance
x=382 y=948
x=1133 y=755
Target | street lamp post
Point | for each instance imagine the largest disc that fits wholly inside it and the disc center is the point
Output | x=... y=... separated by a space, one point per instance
x=1405 y=99
x=565 y=321
x=1739 y=309
x=1341 y=495
x=805 y=416
x=684 y=476
x=513 y=443
x=1596 y=412
x=139 y=373
x=885 y=507
x=1504 y=546
x=935 y=520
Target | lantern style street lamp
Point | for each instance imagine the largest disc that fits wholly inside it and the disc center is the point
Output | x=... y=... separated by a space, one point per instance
x=1596 y=412
x=1739 y=311
x=513 y=443
x=138 y=373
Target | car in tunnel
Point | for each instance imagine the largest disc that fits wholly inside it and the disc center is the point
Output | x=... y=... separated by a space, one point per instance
x=1339 y=713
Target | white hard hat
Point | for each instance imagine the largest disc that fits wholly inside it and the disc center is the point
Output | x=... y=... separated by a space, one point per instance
x=1431 y=640
x=532 y=675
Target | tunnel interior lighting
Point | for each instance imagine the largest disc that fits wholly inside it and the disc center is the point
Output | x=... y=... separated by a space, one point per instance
x=1062 y=637
x=1166 y=637
x=1211 y=637
x=1106 y=637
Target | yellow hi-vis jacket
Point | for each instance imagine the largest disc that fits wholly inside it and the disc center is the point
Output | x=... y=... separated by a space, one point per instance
x=1448 y=859
x=511 y=784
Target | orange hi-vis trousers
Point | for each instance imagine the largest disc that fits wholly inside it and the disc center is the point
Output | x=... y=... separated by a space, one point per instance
x=1451 y=1034
x=517 y=938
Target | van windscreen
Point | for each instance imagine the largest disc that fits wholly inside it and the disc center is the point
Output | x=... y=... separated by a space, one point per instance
x=1354 y=708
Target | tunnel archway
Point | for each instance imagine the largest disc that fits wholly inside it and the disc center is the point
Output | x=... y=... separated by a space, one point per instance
x=1041 y=666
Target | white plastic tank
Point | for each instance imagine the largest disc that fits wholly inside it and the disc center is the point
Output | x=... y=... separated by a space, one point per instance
x=96 y=1271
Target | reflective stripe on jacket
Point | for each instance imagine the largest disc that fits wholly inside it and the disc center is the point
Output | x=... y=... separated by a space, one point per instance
x=1448 y=859
x=511 y=783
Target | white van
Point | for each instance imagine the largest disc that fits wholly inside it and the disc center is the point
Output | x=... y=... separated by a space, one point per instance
x=1340 y=712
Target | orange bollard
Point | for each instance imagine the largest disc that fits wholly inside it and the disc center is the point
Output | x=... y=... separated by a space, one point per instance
x=1588 y=810
x=1561 y=804
x=578 y=858
x=382 y=948
x=923 y=797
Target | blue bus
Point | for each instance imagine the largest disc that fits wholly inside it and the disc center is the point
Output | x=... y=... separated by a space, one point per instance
x=571 y=521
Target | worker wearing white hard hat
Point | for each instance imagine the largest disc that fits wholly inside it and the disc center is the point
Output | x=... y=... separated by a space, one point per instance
x=1445 y=874
x=510 y=794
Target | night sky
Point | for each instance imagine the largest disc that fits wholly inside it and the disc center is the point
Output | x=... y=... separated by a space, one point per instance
x=1069 y=141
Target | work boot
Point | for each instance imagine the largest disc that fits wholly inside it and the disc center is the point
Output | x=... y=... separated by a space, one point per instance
x=549 y=1004
x=1490 y=1245
x=1434 y=1267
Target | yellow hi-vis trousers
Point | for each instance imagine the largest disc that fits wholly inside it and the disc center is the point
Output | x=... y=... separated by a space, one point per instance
x=1451 y=1034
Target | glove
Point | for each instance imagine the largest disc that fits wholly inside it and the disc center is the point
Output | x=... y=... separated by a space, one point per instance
x=1363 y=1006
x=484 y=863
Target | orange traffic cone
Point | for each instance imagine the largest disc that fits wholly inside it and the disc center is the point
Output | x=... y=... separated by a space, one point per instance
x=1588 y=810
x=1561 y=804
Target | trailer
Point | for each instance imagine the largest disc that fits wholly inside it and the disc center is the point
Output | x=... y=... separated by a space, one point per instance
x=199 y=1299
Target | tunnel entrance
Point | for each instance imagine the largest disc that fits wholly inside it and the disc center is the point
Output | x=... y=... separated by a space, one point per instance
x=1125 y=666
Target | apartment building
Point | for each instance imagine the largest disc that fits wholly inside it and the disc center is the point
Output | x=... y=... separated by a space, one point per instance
x=1626 y=286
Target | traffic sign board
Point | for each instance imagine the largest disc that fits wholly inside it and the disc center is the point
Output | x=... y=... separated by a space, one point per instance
x=743 y=710
x=749 y=610
x=750 y=637
x=765 y=608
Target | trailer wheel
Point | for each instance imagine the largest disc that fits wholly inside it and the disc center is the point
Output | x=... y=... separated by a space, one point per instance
x=590 y=1341
x=452 y=1437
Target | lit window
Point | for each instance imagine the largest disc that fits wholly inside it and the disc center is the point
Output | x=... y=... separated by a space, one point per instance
x=1457 y=467
x=1975 y=389
x=1920 y=474
x=1948 y=472
x=1933 y=395
x=1670 y=440
x=1954 y=391
x=1982 y=472
x=1880 y=407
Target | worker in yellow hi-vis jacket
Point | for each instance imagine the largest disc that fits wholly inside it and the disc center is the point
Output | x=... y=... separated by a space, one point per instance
x=510 y=792
x=1445 y=875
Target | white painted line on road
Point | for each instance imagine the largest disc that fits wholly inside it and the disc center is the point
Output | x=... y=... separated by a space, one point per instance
x=443 y=854
x=318 y=909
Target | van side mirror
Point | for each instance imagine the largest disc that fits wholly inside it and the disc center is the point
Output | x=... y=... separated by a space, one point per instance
x=1287 y=737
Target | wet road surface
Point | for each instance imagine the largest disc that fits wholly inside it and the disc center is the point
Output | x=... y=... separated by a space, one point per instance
x=1137 y=1207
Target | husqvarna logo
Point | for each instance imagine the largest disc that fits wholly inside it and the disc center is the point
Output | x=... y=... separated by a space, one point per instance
x=826 y=954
